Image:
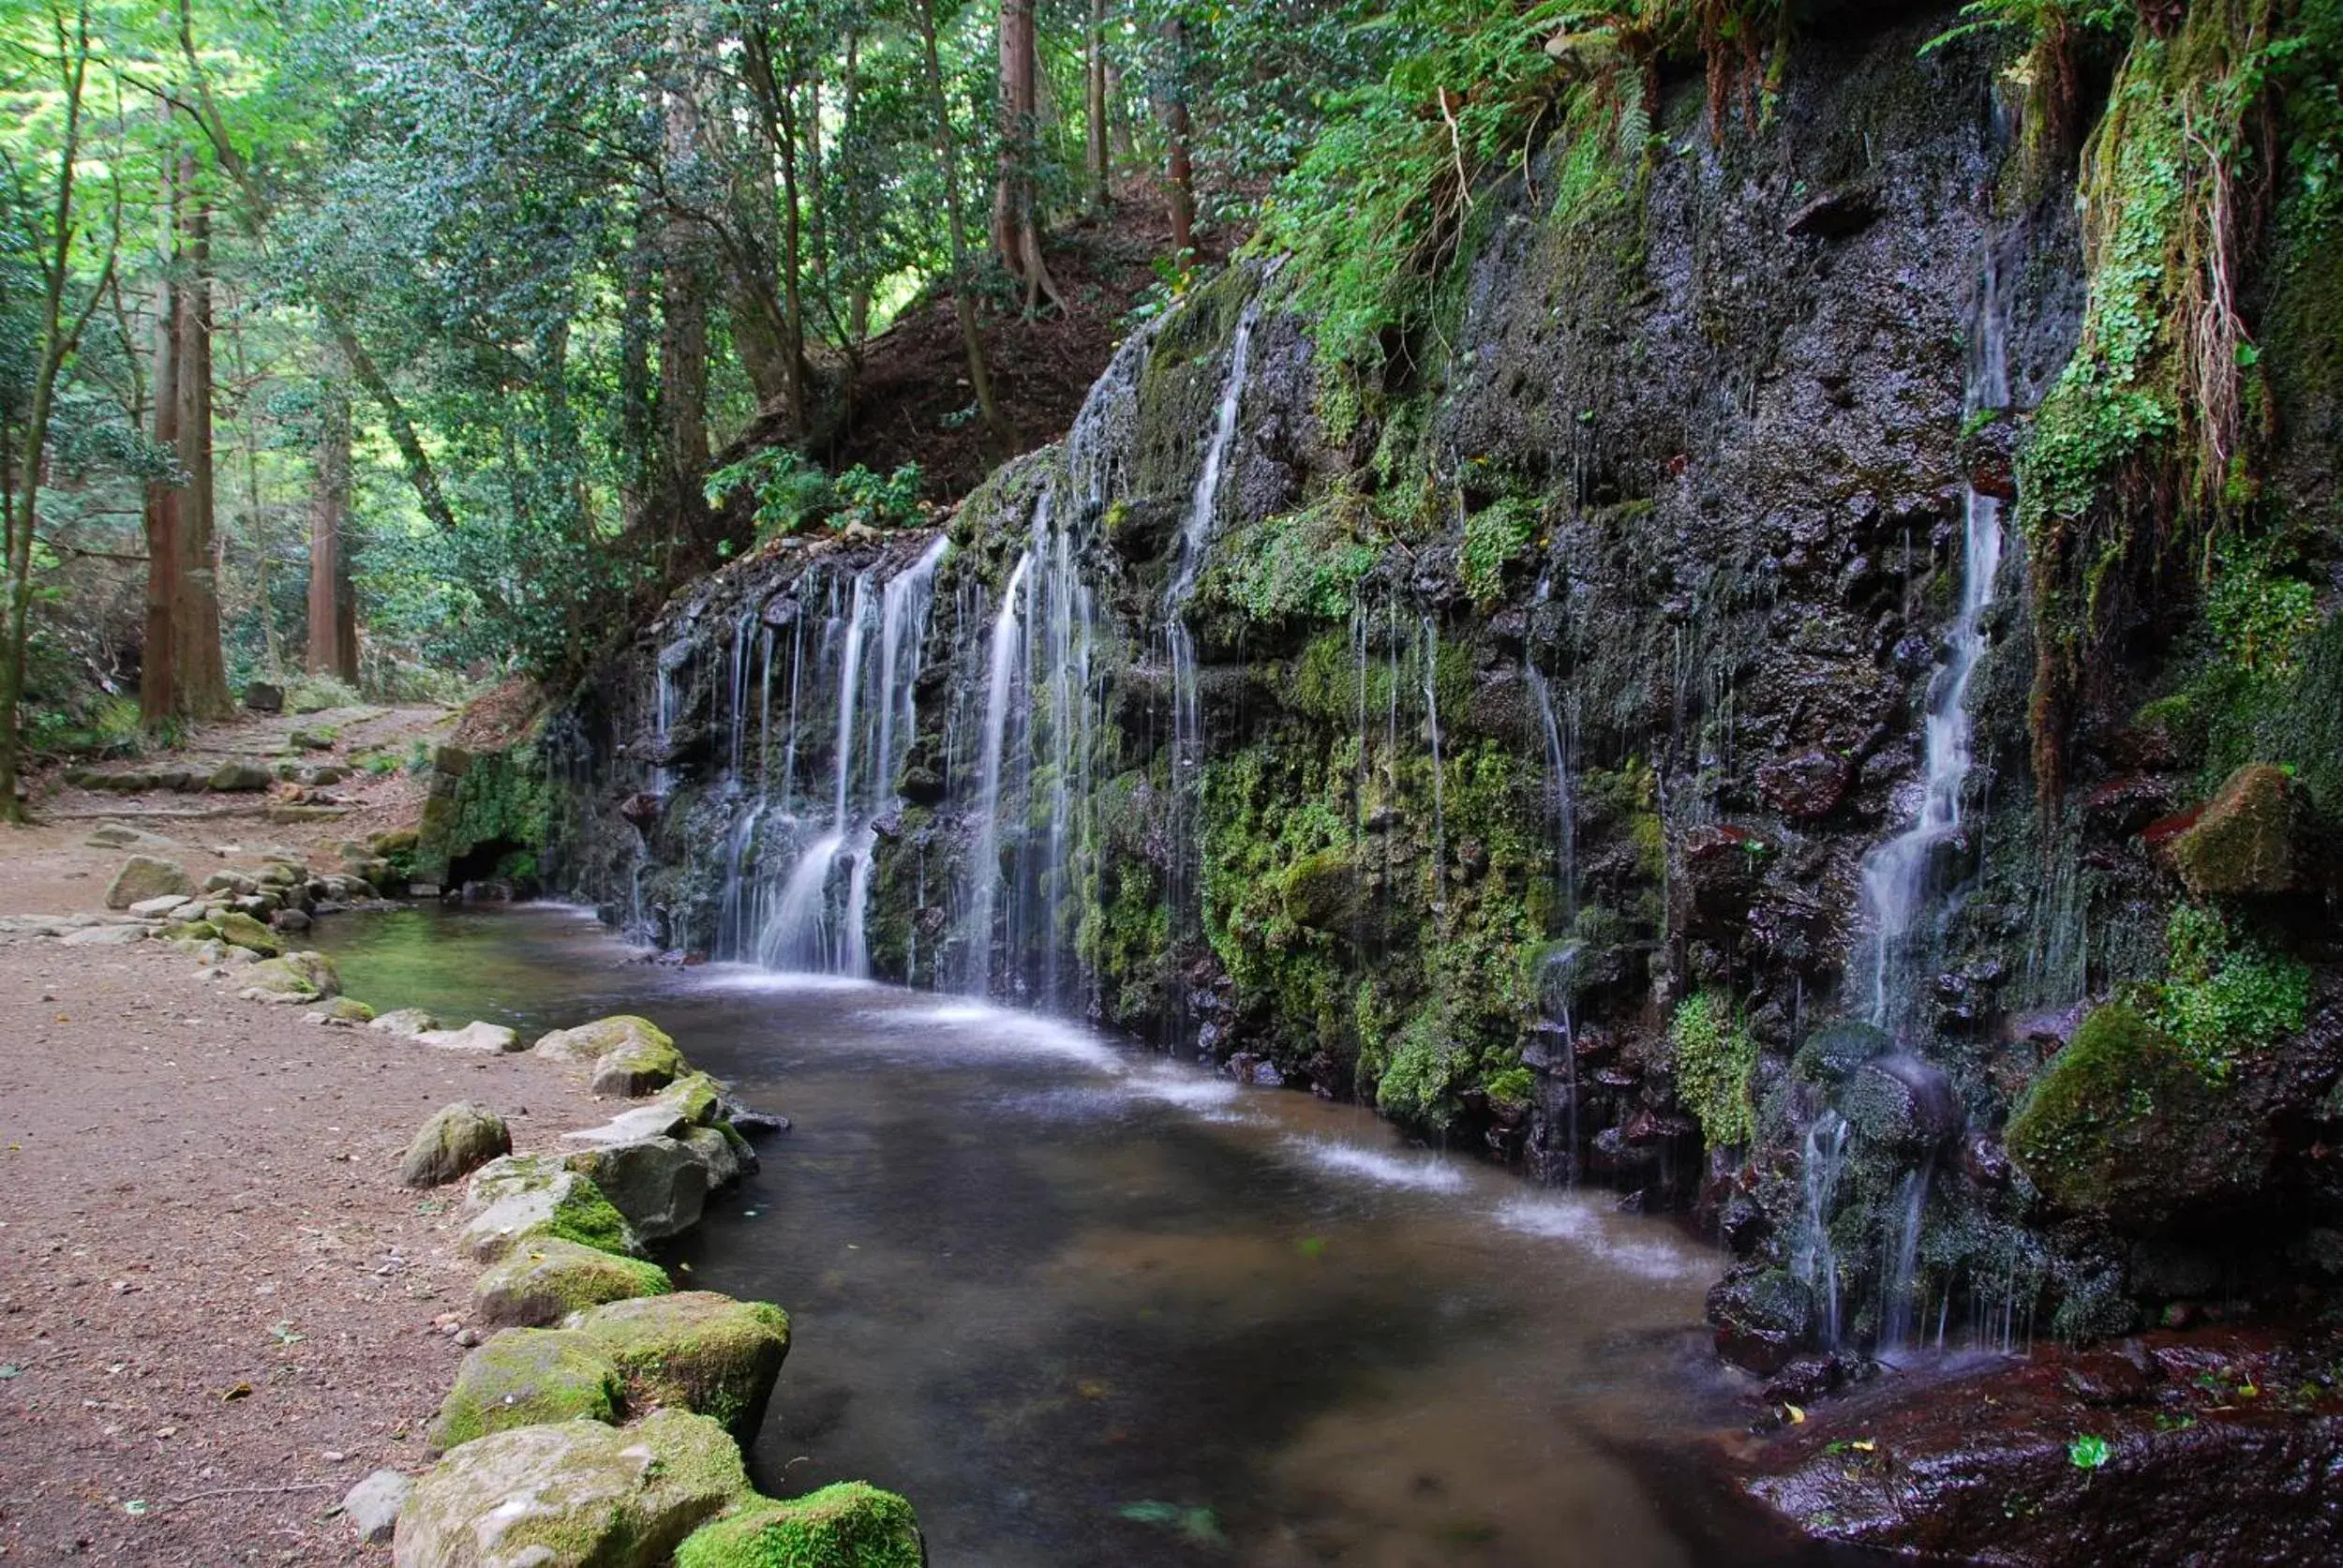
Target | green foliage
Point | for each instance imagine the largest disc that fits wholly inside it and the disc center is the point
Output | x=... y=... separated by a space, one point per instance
x=1303 y=566
x=2260 y=617
x=2088 y=1452
x=2222 y=996
x=1715 y=1056
x=793 y=492
x=1494 y=538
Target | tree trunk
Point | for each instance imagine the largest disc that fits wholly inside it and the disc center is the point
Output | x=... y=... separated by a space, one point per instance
x=1094 y=86
x=200 y=672
x=1118 y=121
x=272 y=641
x=60 y=333
x=1179 y=173
x=1016 y=234
x=638 y=424
x=964 y=303
x=332 y=613
x=159 y=696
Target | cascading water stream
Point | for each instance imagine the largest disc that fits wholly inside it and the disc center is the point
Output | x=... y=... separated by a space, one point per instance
x=1815 y=1258
x=812 y=925
x=1896 y=876
x=1187 y=725
x=984 y=870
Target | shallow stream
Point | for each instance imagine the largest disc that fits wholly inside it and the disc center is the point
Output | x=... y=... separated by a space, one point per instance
x=1088 y=1305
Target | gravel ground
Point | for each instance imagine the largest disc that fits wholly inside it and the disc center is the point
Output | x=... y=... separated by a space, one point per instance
x=219 y=1309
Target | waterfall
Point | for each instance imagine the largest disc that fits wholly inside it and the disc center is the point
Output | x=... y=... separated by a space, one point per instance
x=1896 y=876
x=1187 y=720
x=1816 y=1259
x=1560 y=795
x=812 y=923
x=1431 y=728
x=1900 y=1283
x=984 y=870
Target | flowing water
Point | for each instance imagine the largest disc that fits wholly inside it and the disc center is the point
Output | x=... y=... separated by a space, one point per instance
x=1898 y=884
x=1088 y=1307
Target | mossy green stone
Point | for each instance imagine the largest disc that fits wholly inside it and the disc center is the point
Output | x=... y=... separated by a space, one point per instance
x=591 y=1041
x=524 y=1196
x=698 y=1349
x=697 y=1098
x=191 y=930
x=850 y=1525
x=2124 y=1127
x=546 y=1279
x=574 y=1494
x=2243 y=841
x=639 y=1068
x=527 y=1376
x=241 y=929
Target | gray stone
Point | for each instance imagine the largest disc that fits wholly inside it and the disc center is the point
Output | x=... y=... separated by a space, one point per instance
x=659 y=1184
x=572 y=1495
x=372 y=1505
x=488 y=1038
x=143 y=877
x=645 y=1121
x=119 y=835
x=237 y=777
x=524 y=1196
x=105 y=936
x=406 y=1022
x=456 y=1142
x=162 y=907
x=290 y=920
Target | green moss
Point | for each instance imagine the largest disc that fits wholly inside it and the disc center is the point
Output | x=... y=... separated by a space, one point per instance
x=2224 y=997
x=546 y=1279
x=1494 y=538
x=2126 y=1126
x=1298 y=567
x=849 y=1525
x=502 y=796
x=698 y=1349
x=527 y=1376
x=1715 y=1056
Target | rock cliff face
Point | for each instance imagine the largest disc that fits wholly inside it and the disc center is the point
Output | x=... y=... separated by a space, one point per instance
x=1606 y=737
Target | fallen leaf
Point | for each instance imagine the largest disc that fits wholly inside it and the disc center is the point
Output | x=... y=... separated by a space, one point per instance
x=241 y=1391
x=1797 y=1417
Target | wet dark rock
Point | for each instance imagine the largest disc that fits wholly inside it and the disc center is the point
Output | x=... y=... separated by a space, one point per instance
x=1258 y=1071
x=642 y=808
x=262 y=697
x=1761 y=1316
x=1806 y=786
x=1978 y=1466
x=1903 y=1105
x=1836 y=215
x=1744 y=1225
x=1984 y=1161
x=1835 y=1052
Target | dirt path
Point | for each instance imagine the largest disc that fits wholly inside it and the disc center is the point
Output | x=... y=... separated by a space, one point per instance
x=218 y=1310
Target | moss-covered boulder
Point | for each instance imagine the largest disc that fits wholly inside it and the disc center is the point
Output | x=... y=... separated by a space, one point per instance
x=521 y=1197
x=850 y=1525
x=2242 y=839
x=574 y=1495
x=293 y=978
x=696 y=1350
x=590 y=1042
x=1321 y=891
x=660 y=1183
x=347 y=1011
x=544 y=1279
x=695 y=1098
x=1761 y=1318
x=2124 y=1127
x=240 y=930
x=147 y=876
x=191 y=930
x=1832 y=1052
x=638 y=1068
x=456 y=1142
x=525 y=1377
